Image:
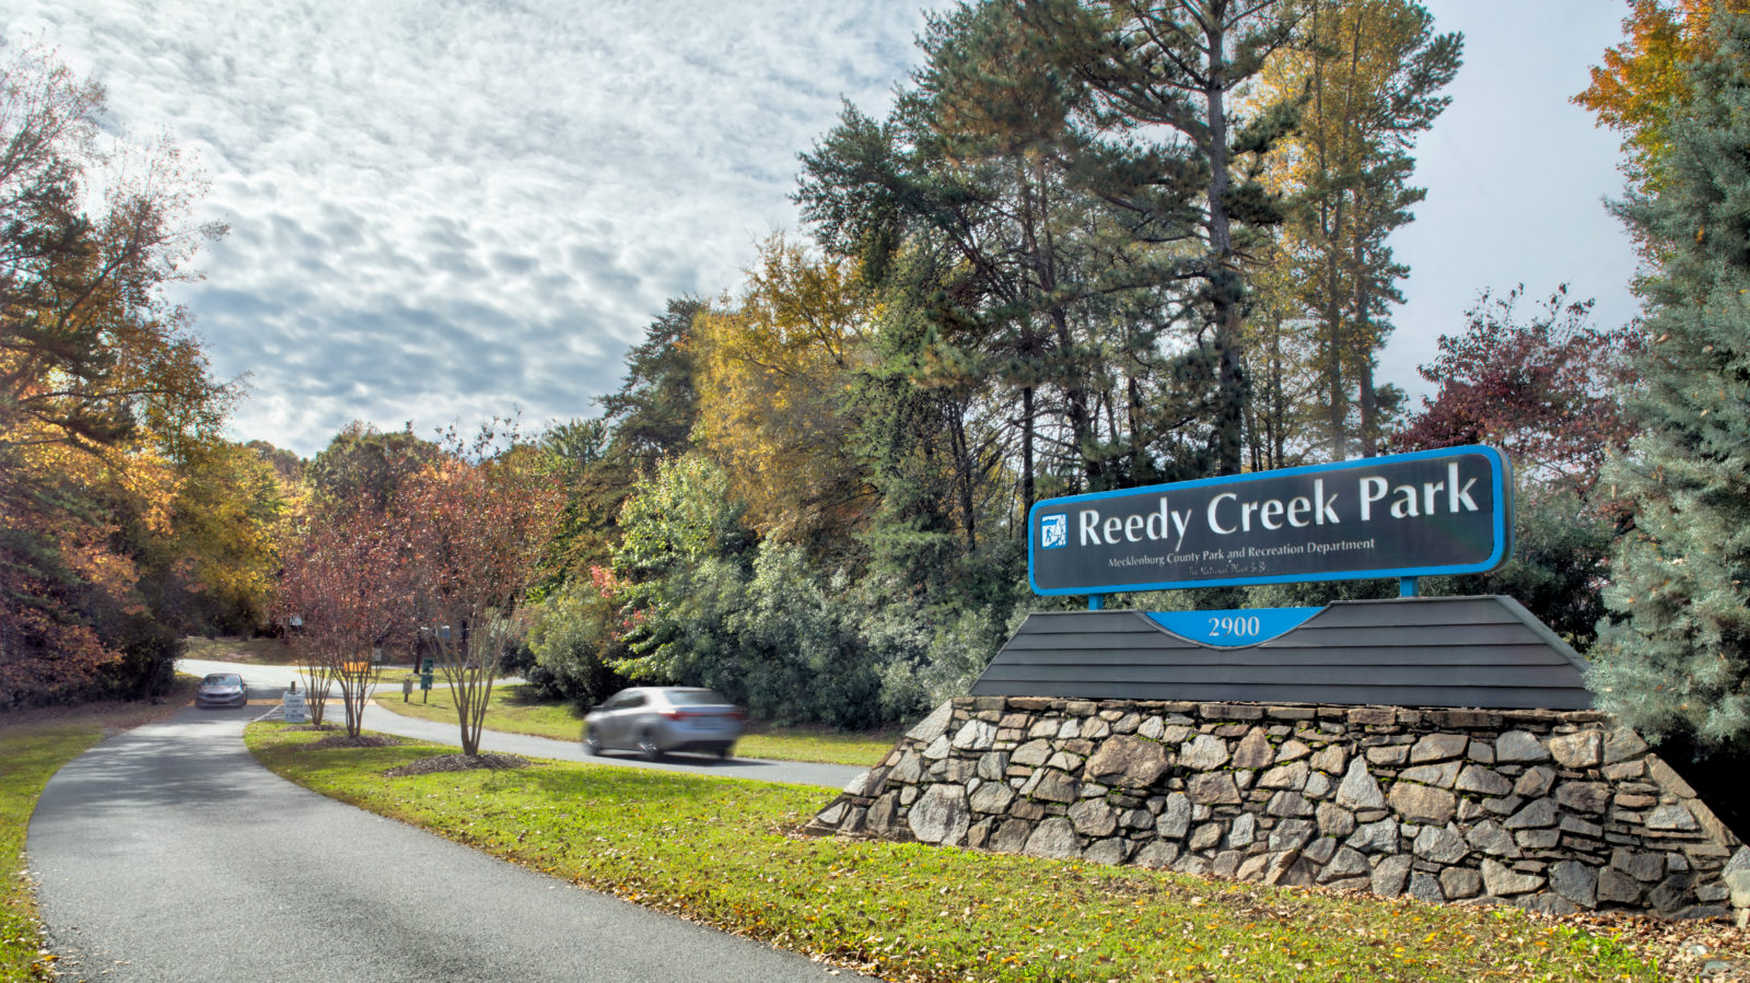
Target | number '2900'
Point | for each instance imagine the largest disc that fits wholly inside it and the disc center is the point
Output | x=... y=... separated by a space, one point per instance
x=1236 y=627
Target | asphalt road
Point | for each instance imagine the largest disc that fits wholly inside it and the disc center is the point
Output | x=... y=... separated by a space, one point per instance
x=266 y=680
x=167 y=853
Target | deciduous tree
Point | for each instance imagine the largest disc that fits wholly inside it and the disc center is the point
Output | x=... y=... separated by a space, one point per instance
x=776 y=371
x=100 y=384
x=476 y=518
x=1365 y=77
x=348 y=576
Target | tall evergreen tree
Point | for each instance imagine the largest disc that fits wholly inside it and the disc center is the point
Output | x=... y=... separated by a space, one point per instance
x=1181 y=155
x=1673 y=657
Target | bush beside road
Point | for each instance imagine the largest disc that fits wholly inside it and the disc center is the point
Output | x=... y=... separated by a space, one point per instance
x=726 y=853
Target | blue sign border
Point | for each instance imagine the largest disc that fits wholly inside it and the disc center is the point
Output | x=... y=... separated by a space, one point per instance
x=1501 y=482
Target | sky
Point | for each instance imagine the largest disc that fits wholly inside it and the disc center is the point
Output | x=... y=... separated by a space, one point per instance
x=444 y=210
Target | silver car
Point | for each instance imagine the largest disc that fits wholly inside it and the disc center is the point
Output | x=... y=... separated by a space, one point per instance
x=221 y=689
x=654 y=720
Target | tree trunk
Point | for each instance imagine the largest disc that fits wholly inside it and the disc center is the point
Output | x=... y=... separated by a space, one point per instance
x=1027 y=492
x=1224 y=282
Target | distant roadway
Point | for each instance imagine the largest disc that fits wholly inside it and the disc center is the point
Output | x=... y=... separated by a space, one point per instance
x=261 y=679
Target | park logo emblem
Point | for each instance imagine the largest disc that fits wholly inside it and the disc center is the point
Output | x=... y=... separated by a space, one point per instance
x=1053 y=532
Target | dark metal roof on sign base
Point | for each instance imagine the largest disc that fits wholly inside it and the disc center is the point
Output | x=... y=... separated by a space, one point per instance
x=1486 y=652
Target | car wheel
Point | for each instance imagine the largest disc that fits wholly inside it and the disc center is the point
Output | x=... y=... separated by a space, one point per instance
x=647 y=747
x=723 y=751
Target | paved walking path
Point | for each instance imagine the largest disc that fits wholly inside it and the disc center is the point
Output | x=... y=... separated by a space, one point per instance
x=167 y=853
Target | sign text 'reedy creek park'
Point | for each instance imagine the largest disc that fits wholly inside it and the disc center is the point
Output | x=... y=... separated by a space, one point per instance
x=1409 y=515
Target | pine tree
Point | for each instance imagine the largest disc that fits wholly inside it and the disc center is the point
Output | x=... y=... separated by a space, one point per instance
x=1673 y=658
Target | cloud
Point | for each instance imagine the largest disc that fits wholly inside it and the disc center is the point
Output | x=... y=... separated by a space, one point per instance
x=441 y=210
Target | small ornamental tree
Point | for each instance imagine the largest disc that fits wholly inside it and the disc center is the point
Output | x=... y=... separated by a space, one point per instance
x=1673 y=656
x=347 y=579
x=477 y=519
x=1540 y=385
x=1542 y=388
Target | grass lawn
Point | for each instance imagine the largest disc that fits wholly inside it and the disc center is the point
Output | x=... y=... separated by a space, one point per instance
x=513 y=713
x=725 y=853
x=255 y=651
x=34 y=744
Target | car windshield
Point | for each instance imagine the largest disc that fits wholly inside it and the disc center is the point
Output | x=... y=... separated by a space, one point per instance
x=218 y=680
x=694 y=697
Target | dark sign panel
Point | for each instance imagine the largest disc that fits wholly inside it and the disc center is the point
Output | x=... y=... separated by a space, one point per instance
x=1408 y=515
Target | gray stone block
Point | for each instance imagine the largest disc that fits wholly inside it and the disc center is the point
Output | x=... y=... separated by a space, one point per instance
x=1575 y=881
x=1441 y=775
x=1203 y=753
x=1291 y=835
x=1503 y=881
x=1289 y=804
x=1441 y=845
x=1673 y=818
x=1175 y=816
x=1484 y=781
x=1358 y=790
x=1344 y=865
x=1128 y=762
x=1582 y=749
x=1159 y=855
x=1291 y=750
x=1254 y=750
x=1539 y=814
x=1423 y=803
x=1292 y=775
x=1054 y=839
x=1213 y=788
x=1519 y=746
x=1425 y=887
x=934 y=725
x=1205 y=837
x=1031 y=754
x=1488 y=837
x=941 y=815
x=1112 y=850
x=1243 y=832
x=1376 y=837
x=1587 y=797
x=1535 y=783
x=1093 y=817
x=1460 y=882
x=1616 y=887
x=1438 y=747
x=975 y=735
x=1334 y=820
x=1390 y=875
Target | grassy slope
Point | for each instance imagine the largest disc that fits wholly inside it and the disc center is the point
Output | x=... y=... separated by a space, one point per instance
x=33 y=746
x=28 y=759
x=725 y=853
x=254 y=651
x=511 y=713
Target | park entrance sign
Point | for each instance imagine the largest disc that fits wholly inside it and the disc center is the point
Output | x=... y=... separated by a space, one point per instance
x=1409 y=515
x=1404 y=516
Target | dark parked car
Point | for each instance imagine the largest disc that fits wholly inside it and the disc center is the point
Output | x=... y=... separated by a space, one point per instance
x=654 y=720
x=221 y=689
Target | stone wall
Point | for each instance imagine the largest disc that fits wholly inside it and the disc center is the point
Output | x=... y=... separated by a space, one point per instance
x=1549 y=810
